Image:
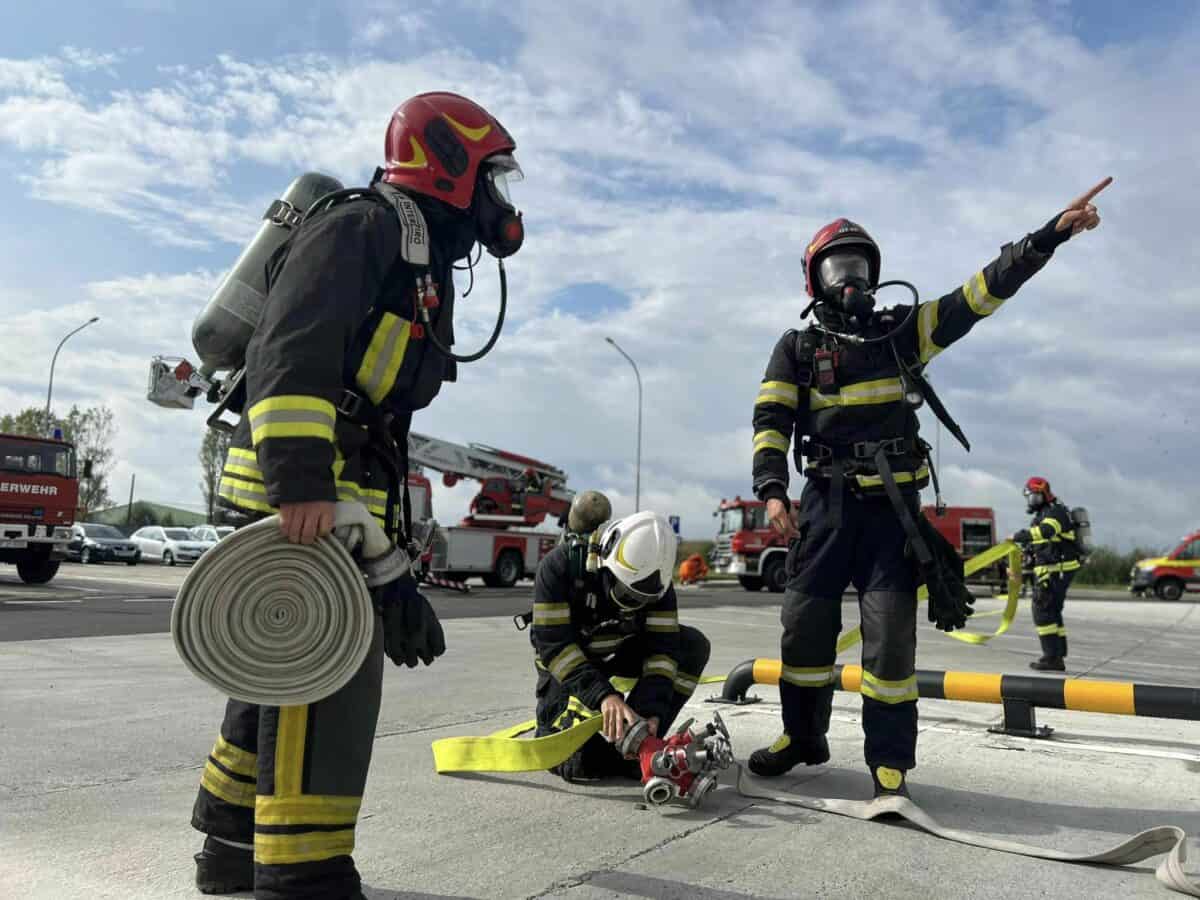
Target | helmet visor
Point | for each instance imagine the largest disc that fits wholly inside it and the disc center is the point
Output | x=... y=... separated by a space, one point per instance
x=501 y=171
x=629 y=599
x=840 y=266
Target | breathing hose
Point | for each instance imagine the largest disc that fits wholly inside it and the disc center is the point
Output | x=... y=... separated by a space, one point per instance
x=446 y=351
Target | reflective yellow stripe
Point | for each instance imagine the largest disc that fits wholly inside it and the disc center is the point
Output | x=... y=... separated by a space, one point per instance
x=807 y=676
x=663 y=622
x=927 y=322
x=385 y=354
x=292 y=415
x=881 y=390
x=244 y=471
x=887 y=691
x=901 y=477
x=1062 y=631
x=235 y=759
x=975 y=289
x=309 y=846
x=566 y=662
x=771 y=440
x=309 y=809
x=686 y=684
x=219 y=784
x=249 y=457
x=1044 y=630
x=1050 y=523
x=246 y=494
x=551 y=614
x=778 y=392
x=604 y=645
x=660 y=665
x=1069 y=566
x=289 y=750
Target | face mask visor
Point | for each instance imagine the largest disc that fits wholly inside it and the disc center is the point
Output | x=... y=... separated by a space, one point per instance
x=840 y=267
x=500 y=173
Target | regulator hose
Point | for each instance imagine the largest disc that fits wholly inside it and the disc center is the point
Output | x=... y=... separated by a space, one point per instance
x=858 y=338
x=446 y=351
x=270 y=622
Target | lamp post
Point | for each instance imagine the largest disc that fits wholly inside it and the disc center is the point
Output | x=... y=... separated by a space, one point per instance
x=50 y=387
x=637 y=492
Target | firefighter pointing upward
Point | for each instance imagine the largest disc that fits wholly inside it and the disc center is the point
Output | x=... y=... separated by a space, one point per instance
x=848 y=387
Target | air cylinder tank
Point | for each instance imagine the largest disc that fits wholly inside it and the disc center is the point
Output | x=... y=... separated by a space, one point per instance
x=222 y=331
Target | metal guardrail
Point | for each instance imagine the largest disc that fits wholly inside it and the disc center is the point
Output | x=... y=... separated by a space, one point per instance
x=1020 y=695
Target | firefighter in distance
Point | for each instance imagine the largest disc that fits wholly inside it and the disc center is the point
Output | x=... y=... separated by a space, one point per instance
x=848 y=387
x=615 y=617
x=1056 y=558
x=338 y=363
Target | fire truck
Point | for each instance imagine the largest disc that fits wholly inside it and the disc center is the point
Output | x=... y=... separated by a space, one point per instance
x=747 y=546
x=39 y=490
x=515 y=490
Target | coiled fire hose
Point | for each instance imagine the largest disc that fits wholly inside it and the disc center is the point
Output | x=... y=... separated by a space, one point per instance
x=279 y=624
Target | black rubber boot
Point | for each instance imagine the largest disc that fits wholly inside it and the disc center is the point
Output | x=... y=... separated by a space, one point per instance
x=222 y=869
x=889 y=782
x=787 y=753
x=1049 y=664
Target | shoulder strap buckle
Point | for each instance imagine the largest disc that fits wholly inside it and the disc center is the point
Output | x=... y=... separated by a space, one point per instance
x=283 y=214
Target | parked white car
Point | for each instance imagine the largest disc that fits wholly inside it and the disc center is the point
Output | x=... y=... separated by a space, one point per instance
x=210 y=533
x=168 y=545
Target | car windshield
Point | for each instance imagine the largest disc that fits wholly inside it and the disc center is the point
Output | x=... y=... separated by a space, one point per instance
x=35 y=458
x=731 y=520
x=177 y=534
x=201 y=534
x=102 y=531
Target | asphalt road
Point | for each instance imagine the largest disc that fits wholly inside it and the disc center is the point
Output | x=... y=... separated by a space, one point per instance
x=1112 y=635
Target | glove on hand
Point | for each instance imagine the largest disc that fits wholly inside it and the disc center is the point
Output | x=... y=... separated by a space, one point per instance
x=411 y=629
x=950 y=603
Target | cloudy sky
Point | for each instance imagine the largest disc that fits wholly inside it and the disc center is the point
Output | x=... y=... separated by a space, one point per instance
x=678 y=157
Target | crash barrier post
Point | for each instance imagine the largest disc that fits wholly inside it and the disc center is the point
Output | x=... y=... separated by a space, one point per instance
x=1020 y=695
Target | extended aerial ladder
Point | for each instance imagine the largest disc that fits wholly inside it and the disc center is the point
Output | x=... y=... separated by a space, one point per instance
x=516 y=490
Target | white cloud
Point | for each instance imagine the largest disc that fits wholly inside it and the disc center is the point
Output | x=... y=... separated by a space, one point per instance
x=683 y=158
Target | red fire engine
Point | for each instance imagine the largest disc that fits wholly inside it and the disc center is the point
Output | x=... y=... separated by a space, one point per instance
x=747 y=546
x=39 y=490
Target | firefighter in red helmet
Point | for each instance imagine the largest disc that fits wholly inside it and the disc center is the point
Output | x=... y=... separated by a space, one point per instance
x=355 y=335
x=848 y=387
x=1056 y=558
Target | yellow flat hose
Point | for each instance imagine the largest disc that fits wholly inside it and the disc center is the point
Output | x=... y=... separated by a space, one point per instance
x=274 y=623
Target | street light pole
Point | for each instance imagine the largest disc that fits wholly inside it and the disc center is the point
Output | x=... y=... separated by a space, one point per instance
x=637 y=491
x=50 y=388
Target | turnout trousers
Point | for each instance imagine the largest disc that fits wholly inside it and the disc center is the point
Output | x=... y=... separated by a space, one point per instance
x=556 y=711
x=1049 y=598
x=867 y=548
x=289 y=780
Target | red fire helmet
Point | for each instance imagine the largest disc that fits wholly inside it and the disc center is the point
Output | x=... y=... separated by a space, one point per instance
x=436 y=142
x=839 y=233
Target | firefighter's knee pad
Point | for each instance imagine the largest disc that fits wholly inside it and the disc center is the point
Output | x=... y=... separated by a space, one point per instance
x=889 y=635
x=806 y=613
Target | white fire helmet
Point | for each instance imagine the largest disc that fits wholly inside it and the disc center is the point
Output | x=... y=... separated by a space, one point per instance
x=638 y=555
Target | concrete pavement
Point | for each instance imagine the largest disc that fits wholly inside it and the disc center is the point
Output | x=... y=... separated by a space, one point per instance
x=102 y=739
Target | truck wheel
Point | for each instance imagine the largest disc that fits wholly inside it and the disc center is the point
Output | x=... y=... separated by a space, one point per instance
x=37 y=570
x=750 y=582
x=775 y=576
x=1169 y=589
x=509 y=569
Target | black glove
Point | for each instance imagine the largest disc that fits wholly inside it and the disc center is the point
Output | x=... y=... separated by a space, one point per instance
x=411 y=629
x=1046 y=239
x=950 y=603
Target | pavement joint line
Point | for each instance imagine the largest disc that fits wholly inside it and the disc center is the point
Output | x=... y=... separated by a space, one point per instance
x=1142 y=642
x=41 y=602
x=580 y=880
x=68 y=788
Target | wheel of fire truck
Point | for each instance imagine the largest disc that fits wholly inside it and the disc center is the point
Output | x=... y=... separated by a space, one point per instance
x=750 y=582
x=775 y=574
x=1168 y=588
x=509 y=569
x=37 y=569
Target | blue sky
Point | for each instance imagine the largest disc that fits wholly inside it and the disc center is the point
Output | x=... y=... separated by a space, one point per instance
x=678 y=156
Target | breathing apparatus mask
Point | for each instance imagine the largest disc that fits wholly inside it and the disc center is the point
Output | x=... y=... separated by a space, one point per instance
x=628 y=599
x=844 y=277
x=498 y=225
x=1034 y=500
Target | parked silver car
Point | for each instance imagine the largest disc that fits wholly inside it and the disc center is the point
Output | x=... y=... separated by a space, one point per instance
x=168 y=545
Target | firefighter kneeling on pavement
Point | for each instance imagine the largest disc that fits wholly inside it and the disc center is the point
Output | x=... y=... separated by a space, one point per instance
x=620 y=620
x=1051 y=536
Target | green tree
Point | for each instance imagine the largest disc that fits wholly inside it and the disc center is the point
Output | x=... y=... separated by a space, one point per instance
x=91 y=429
x=212 y=458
